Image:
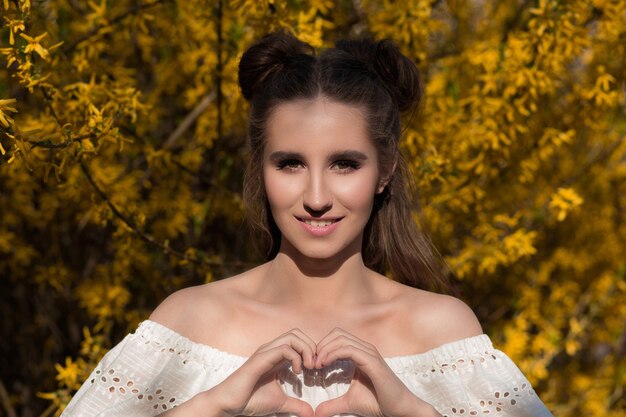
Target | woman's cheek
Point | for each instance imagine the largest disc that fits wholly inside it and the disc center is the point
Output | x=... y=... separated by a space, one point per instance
x=357 y=191
x=280 y=189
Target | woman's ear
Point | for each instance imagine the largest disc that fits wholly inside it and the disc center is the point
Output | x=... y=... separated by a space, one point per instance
x=384 y=180
x=381 y=186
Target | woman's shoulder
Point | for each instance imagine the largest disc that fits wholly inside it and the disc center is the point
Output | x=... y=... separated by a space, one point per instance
x=187 y=309
x=434 y=319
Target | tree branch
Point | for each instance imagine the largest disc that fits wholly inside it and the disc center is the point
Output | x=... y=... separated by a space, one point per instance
x=204 y=180
x=189 y=119
x=145 y=236
x=182 y=128
x=65 y=144
x=113 y=22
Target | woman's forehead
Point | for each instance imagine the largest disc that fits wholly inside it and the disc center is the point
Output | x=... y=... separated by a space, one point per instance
x=316 y=126
x=295 y=110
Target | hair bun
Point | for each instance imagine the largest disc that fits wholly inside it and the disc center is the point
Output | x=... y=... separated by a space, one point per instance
x=268 y=57
x=398 y=73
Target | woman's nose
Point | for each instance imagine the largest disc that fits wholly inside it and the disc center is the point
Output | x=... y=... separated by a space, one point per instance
x=317 y=196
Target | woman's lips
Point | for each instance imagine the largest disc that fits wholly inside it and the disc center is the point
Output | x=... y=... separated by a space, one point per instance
x=320 y=227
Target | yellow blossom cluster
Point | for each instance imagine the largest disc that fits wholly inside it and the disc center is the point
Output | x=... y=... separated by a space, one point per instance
x=122 y=147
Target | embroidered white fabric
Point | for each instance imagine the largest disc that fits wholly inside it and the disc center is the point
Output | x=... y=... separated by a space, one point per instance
x=155 y=368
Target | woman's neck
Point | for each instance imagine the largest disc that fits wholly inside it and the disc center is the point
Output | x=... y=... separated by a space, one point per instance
x=312 y=284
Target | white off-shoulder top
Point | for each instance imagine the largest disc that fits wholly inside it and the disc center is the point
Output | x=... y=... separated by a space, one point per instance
x=155 y=368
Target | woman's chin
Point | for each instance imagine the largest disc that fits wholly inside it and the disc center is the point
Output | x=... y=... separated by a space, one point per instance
x=321 y=255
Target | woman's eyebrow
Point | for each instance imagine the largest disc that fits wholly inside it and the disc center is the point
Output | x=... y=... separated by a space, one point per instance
x=282 y=155
x=352 y=155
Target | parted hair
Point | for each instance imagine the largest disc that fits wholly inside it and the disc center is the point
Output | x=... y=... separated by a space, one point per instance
x=384 y=84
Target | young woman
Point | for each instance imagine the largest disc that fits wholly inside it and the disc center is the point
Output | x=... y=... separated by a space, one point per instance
x=318 y=330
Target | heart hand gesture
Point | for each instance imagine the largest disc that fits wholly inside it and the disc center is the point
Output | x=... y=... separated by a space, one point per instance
x=254 y=389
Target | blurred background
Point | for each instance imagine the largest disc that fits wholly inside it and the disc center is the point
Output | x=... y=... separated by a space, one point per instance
x=122 y=148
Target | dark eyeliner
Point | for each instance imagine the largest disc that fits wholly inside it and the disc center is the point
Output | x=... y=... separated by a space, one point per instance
x=285 y=163
x=349 y=165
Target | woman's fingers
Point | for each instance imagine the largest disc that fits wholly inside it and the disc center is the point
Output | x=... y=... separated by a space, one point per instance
x=254 y=389
x=339 y=338
x=299 y=341
x=361 y=358
x=302 y=336
x=260 y=369
x=271 y=358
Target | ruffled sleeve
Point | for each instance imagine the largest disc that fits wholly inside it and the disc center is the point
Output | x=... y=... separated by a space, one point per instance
x=470 y=377
x=147 y=373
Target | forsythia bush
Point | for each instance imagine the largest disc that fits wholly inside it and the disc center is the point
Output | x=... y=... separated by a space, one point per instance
x=122 y=145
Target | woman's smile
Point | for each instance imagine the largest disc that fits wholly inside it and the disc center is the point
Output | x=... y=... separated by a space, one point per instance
x=320 y=227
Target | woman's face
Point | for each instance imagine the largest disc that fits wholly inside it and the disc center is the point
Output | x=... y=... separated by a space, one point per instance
x=321 y=173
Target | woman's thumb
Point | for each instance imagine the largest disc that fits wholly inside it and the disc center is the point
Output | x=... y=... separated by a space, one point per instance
x=331 y=407
x=297 y=407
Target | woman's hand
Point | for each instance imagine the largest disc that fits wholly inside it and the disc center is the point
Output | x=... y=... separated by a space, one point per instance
x=375 y=390
x=254 y=388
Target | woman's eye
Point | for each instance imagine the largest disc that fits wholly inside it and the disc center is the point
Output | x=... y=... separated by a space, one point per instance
x=289 y=164
x=346 y=165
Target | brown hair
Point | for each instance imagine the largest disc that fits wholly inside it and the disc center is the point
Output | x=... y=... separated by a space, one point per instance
x=376 y=77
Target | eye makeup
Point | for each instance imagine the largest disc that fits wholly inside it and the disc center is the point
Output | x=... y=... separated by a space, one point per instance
x=343 y=161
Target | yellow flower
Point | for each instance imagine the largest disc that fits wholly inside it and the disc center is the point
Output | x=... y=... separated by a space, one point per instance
x=564 y=201
x=572 y=346
x=99 y=10
x=35 y=46
x=68 y=375
x=14 y=27
x=520 y=243
x=25 y=6
x=5 y=119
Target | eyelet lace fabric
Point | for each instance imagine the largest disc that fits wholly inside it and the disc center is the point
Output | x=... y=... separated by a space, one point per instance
x=155 y=369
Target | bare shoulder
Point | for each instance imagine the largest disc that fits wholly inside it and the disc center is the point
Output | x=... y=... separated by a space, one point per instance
x=435 y=319
x=179 y=310
x=187 y=311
